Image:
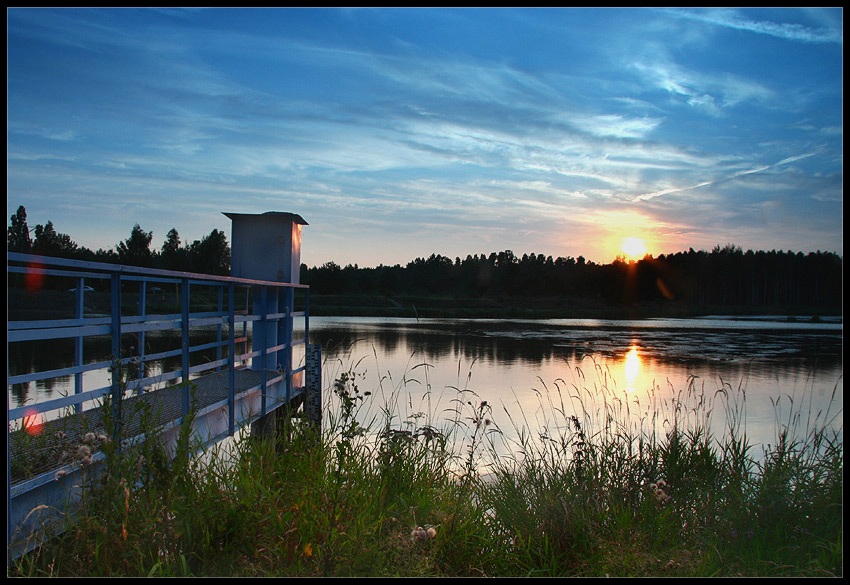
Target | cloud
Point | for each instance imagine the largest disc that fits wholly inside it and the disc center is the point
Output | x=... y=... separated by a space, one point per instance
x=787 y=31
x=734 y=175
x=708 y=93
x=615 y=125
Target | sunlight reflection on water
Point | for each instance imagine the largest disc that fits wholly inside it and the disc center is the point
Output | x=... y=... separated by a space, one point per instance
x=538 y=373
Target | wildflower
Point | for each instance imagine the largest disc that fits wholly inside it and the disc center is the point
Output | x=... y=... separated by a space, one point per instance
x=431 y=532
x=88 y=438
x=60 y=435
x=60 y=474
x=419 y=533
x=86 y=461
x=83 y=451
x=102 y=438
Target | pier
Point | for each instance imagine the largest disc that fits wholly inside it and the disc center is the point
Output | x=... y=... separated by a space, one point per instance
x=102 y=352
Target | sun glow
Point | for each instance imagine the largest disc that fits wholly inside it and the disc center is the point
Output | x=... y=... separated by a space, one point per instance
x=631 y=364
x=634 y=248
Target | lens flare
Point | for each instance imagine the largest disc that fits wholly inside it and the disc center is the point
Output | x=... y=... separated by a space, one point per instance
x=34 y=277
x=33 y=422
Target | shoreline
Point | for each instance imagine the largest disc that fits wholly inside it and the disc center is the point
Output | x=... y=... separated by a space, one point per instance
x=542 y=308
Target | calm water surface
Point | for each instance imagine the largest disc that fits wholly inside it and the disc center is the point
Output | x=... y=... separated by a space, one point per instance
x=765 y=370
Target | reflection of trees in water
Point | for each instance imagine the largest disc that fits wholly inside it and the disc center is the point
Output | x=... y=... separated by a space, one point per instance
x=429 y=345
x=736 y=353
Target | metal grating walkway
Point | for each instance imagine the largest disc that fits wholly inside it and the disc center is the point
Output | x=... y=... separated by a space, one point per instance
x=58 y=441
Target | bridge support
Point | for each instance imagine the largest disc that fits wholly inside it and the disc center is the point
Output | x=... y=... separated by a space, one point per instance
x=267 y=247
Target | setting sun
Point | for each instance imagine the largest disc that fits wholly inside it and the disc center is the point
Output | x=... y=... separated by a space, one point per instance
x=634 y=248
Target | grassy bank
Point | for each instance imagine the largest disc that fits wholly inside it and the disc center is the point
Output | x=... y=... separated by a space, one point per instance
x=591 y=492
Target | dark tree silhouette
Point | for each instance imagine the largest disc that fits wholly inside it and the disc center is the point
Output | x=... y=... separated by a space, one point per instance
x=18 y=234
x=172 y=256
x=136 y=250
x=211 y=255
x=725 y=277
x=48 y=242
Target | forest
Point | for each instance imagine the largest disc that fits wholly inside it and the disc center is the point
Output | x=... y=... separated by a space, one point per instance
x=724 y=277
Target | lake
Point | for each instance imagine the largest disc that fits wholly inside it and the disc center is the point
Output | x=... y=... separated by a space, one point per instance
x=769 y=369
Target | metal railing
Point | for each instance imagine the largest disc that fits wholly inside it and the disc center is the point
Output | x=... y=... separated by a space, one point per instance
x=120 y=332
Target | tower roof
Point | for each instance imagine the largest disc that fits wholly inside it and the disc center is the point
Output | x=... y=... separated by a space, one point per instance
x=283 y=214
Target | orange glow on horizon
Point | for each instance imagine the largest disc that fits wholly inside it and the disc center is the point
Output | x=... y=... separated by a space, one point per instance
x=634 y=248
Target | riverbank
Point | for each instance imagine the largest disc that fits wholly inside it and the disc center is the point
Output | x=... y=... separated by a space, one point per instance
x=401 y=497
x=533 y=308
x=51 y=304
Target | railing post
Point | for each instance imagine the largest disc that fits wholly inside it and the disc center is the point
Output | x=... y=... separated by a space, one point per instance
x=231 y=349
x=264 y=338
x=143 y=294
x=79 y=312
x=220 y=306
x=313 y=385
x=117 y=366
x=184 y=308
x=285 y=329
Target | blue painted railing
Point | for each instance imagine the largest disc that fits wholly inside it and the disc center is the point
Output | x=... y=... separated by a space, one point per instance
x=84 y=302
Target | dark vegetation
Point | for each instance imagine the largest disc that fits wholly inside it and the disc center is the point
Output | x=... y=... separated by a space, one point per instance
x=502 y=284
x=209 y=255
x=372 y=493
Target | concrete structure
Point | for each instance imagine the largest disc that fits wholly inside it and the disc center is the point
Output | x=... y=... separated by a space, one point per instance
x=267 y=246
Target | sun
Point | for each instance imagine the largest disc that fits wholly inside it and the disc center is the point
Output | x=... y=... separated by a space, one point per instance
x=634 y=248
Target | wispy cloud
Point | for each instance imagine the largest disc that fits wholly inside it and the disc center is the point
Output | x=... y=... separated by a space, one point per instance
x=729 y=177
x=788 y=31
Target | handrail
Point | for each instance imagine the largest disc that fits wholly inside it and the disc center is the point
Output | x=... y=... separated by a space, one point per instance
x=130 y=320
x=28 y=269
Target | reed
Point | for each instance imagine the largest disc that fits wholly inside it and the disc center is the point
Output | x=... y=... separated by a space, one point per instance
x=594 y=483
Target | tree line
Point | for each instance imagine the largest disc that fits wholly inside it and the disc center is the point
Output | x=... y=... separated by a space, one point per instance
x=726 y=276
x=209 y=255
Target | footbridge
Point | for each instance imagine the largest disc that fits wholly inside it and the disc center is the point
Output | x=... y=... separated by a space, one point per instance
x=103 y=353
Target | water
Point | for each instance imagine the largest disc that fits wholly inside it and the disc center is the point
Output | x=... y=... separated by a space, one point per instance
x=764 y=369
x=430 y=370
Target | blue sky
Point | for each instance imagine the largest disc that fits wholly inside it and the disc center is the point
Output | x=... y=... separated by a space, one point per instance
x=398 y=133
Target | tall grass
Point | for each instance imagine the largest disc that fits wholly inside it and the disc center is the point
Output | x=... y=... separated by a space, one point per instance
x=594 y=483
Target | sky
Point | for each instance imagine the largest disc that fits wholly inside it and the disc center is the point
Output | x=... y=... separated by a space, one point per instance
x=401 y=133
